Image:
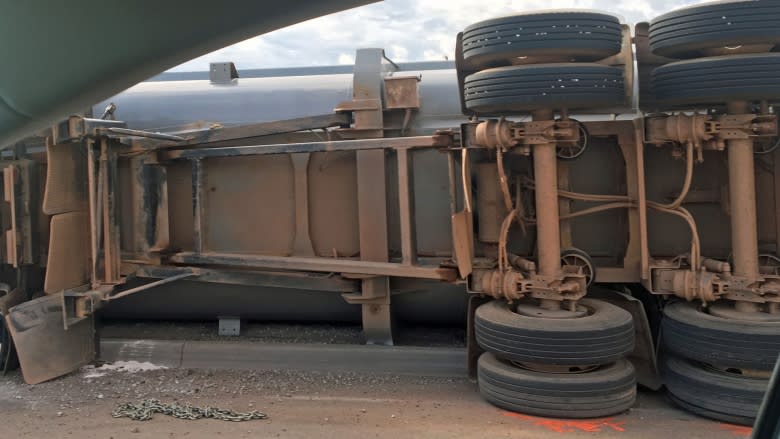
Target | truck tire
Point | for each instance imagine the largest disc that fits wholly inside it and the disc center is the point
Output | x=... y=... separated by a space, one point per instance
x=566 y=35
x=605 y=391
x=518 y=89
x=740 y=344
x=685 y=33
x=717 y=80
x=711 y=393
x=604 y=335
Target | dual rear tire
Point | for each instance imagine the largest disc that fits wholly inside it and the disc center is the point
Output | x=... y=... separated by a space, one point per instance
x=544 y=60
x=557 y=367
x=715 y=366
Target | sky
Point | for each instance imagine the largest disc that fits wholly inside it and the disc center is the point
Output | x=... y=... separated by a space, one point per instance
x=408 y=30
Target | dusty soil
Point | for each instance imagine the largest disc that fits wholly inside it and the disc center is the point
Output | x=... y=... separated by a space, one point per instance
x=308 y=404
x=300 y=403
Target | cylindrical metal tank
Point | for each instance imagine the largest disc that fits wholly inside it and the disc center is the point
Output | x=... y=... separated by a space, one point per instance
x=161 y=104
x=421 y=302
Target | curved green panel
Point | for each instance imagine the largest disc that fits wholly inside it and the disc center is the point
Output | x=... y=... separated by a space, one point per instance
x=60 y=57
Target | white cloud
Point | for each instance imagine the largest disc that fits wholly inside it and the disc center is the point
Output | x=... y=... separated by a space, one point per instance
x=409 y=30
x=345 y=58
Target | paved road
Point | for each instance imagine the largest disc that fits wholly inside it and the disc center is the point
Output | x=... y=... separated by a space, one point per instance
x=449 y=406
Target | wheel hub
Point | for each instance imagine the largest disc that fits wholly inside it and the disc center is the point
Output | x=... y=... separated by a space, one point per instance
x=748 y=373
x=531 y=310
x=552 y=368
x=727 y=311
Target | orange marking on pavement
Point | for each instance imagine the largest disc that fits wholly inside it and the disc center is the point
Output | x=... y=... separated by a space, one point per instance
x=737 y=430
x=571 y=425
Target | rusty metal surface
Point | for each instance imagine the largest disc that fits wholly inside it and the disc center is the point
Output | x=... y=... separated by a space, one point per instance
x=644 y=355
x=490 y=207
x=548 y=229
x=342 y=265
x=302 y=242
x=742 y=201
x=68 y=257
x=291 y=148
x=401 y=92
x=333 y=208
x=216 y=133
x=46 y=350
x=406 y=207
x=282 y=279
x=65 y=189
x=235 y=207
x=198 y=209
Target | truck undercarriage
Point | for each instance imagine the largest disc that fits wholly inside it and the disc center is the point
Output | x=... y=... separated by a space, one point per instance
x=554 y=236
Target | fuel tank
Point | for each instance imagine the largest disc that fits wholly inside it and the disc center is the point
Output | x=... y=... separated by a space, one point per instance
x=175 y=99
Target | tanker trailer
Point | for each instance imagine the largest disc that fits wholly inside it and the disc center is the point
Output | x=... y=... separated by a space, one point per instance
x=520 y=185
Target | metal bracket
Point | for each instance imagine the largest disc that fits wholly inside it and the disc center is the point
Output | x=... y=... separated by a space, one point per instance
x=708 y=131
x=223 y=73
x=76 y=128
x=500 y=133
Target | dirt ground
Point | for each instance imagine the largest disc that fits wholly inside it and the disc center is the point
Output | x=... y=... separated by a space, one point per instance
x=307 y=402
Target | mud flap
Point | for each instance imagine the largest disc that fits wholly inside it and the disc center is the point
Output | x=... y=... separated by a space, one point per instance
x=462 y=231
x=45 y=348
x=643 y=357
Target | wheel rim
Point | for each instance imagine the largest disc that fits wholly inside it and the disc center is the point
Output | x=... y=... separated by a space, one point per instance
x=533 y=310
x=769 y=263
x=555 y=369
x=726 y=310
x=571 y=150
x=580 y=259
x=736 y=371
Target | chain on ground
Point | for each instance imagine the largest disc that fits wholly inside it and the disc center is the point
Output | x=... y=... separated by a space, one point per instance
x=144 y=410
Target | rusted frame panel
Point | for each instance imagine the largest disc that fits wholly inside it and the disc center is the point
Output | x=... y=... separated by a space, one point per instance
x=301 y=281
x=111 y=240
x=94 y=215
x=302 y=244
x=197 y=204
x=776 y=177
x=435 y=141
x=372 y=205
x=140 y=243
x=326 y=265
x=564 y=205
x=644 y=259
x=635 y=259
x=372 y=195
x=11 y=235
x=149 y=192
x=150 y=201
x=21 y=239
x=209 y=136
x=372 y=221
x=406 y=206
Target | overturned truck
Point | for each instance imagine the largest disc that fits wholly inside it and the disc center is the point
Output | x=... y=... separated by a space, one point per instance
x=519 y=192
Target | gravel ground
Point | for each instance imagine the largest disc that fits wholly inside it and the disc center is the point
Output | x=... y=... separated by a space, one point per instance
x=310 y=404
x=304 y=403
x=279 y=333
x=194 y=385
